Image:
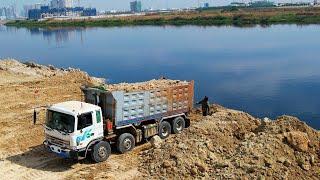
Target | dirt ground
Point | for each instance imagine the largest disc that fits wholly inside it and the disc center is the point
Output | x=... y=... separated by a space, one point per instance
x=229 y=144
x=22 y=155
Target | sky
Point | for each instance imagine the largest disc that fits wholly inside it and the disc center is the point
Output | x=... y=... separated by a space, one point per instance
x=146 y=4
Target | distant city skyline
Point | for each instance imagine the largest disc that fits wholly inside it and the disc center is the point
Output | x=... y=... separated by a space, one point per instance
x=146 y=4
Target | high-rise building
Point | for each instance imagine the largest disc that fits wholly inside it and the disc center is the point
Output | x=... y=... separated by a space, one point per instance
x=34 y=14
x=26 y=9
x=2 y=15
x=315 y=2
x=68 y=3
x=38 y=6
x=8 y=12
x=206 y=5
x=54 y=4
x=58 y=8
x=135 y=6
x=59 y=4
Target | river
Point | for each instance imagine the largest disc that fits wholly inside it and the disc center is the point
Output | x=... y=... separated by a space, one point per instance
x=265 y=71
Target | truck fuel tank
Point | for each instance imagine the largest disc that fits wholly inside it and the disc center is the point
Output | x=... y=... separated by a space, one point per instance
x=150 y=130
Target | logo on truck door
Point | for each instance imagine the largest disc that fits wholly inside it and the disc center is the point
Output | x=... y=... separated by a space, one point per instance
x=87 y=134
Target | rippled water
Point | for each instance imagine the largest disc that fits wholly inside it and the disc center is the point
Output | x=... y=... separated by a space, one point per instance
x=266 y=71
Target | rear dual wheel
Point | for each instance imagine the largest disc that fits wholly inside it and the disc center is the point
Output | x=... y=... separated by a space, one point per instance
x=164 y=129
x=178 y=125
x=125 y=143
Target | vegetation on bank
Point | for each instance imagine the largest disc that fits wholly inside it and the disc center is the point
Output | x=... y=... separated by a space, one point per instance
x=235 y=17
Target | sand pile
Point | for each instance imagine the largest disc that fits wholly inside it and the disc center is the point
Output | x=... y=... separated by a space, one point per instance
x=232 y=144
x=16 y=71
x=147 y=85
x=32 y=69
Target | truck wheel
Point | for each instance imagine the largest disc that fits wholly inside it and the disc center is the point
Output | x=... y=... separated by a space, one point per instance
x=125 y=143
x=178 y=125
x=164 y=129
x=101 y=151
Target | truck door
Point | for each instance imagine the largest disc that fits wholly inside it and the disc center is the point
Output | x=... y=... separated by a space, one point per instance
x=85 y=129
x=98 y=124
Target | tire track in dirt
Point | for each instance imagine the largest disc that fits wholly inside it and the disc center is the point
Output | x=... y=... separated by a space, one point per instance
x=36 y=163
x=17 y=164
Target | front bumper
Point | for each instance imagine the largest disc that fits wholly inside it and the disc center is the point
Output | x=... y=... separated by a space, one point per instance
x=62 y=152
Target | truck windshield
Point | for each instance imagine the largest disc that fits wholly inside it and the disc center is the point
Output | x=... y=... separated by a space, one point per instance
x=60 y=121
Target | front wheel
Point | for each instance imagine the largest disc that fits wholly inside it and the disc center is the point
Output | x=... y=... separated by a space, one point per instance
x=164 y=129
x=101 y=152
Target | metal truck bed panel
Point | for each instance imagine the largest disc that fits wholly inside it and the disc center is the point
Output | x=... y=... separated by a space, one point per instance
x=125 y=108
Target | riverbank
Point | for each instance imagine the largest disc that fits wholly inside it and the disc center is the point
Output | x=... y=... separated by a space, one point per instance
x=228 y=144
x=212 y=17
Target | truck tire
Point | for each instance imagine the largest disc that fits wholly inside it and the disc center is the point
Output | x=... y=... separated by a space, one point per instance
x=101 y=151
x=164 y=129
x=178 y=125
x=125 y=143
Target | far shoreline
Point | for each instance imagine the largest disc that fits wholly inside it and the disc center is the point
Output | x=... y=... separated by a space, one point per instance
x=238 y=17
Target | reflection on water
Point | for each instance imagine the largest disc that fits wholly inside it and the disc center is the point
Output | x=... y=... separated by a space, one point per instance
x=59 y=35
x=265 y=71
x=52 y=35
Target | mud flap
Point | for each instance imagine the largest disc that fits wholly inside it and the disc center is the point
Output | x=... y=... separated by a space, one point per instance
x=187 y=122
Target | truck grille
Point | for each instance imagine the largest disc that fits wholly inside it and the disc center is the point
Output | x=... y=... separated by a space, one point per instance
x=57 y=141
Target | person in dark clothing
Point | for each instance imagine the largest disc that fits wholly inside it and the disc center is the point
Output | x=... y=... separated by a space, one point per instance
x=205 y=106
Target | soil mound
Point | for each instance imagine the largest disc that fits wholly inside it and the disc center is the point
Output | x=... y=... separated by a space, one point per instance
x=32 y=69
x=232 y=144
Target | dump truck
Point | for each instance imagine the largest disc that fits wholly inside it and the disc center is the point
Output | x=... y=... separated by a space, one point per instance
x=120 y=117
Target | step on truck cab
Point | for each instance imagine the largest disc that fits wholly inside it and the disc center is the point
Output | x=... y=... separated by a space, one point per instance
x=117 y=117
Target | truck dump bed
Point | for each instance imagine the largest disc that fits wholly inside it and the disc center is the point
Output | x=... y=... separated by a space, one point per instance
x=133 y=103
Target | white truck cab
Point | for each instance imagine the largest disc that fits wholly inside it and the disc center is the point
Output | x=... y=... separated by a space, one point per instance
x=71 y=126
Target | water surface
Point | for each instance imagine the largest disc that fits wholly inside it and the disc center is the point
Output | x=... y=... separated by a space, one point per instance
x=266 y=71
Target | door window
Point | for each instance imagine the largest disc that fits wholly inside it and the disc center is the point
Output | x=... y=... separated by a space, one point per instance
x=84 y=120
x=98 y=115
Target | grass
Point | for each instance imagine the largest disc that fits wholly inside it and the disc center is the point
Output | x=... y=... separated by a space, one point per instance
x=215 y=17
